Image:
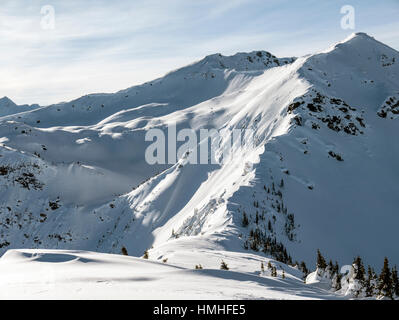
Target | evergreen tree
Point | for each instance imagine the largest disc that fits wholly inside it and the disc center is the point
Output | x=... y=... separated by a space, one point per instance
x=245 y=220
x=321 y=262
x=146 y=255
x=269 y=266
x=330 y=267
x=358 y=276
x=283 y=275
x=274 y=272
x=359 y=269
x=336 y=268
x=336 y=277
x=124 y=251
x=385 y=281
x=304 y=269
x=395 y=281
x=337 y=284
x=262 y=267
x=223 y=266
x=370 y=282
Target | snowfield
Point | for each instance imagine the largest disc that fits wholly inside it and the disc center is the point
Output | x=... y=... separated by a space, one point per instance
x=320 y=173
x=63 y=274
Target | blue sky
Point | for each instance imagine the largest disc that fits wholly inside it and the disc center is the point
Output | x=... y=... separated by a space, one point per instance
x=105 y=46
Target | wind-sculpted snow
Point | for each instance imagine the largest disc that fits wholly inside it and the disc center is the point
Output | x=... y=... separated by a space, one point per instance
x=63 y=274
x=320 y=171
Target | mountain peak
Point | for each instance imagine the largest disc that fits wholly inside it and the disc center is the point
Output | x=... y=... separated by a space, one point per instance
x=6 y=102
x=360 y=41
x=362 y=46
x=359 y=35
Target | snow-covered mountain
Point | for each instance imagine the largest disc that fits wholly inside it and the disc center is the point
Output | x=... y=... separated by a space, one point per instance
x=7 y=107
x=320 y=172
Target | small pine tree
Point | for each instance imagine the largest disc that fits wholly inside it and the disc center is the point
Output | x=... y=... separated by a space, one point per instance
x=245 y=220
x=370 y=282
x=274 y=272
x=385 y=281
x=262 y=267
x=321 y=262
x=337 y=285
x=395 y=281
x=269 y=226
x=198 y=267
x=283 y=275
x=358 y=275
x=304 y=269
x=336 y=268
x=331 y=266
x=224 y=266
x=124 y=251
x=269 y=266
x=146 y=255
x=359 y=269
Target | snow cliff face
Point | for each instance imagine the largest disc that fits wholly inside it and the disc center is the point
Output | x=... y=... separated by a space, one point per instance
x=320 y=172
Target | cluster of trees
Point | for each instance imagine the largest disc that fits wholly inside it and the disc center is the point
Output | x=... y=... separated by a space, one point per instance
x=360 y=283
x=258 y=240
x=272 y=269
x=262 y=237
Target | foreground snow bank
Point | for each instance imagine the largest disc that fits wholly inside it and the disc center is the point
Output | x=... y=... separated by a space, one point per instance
x=61 y=274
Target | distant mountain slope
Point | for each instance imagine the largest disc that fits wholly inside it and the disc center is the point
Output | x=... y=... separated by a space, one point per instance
x=8 y=107
x=320 y=172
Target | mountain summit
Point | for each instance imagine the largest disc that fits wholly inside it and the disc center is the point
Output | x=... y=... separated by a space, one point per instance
x=6 y=102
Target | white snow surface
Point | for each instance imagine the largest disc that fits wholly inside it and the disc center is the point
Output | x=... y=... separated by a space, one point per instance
x=73 y=175
x=65 y=274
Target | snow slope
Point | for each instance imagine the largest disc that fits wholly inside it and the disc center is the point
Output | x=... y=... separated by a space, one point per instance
x=51 y=274
x=320 y=172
